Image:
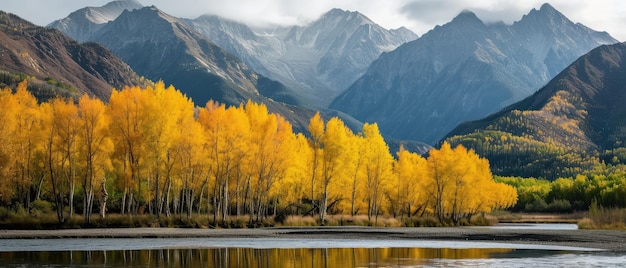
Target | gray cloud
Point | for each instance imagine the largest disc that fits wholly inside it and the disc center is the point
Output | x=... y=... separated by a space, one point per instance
x=418 y=15
x=431 y=11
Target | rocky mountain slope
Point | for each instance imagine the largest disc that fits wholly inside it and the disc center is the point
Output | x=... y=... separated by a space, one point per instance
x=56 y=64
x=316 y=61
x=573 y=124
x=465 y=70
x=162 y=47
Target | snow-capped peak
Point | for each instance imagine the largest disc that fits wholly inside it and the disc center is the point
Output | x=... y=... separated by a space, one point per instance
x=82 y=23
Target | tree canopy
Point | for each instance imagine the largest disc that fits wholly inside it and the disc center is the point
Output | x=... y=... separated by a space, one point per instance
x=151 y=150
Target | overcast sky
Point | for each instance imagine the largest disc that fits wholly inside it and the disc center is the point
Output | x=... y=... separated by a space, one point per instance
x=417 y=15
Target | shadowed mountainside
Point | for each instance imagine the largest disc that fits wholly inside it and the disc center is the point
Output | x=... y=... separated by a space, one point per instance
x=576 y=122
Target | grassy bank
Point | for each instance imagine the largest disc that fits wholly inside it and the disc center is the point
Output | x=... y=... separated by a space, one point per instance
x=48 y=221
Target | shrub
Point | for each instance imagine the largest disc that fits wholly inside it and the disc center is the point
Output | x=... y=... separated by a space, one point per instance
x=39 y=207
x=604 y=218
x=560 y=206
x=5 y=213
x=539 y=205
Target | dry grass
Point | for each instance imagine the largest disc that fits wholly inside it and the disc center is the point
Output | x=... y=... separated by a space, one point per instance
x=604 y=218
x=587 y=223
x=539 y=218
x=384 y=221
x=23 y=220
x=299 y=221
x=342 y=220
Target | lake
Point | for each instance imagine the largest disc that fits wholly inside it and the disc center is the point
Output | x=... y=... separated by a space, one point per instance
x=292 y=252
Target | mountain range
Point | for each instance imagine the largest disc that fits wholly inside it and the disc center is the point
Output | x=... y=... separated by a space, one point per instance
x=54 y=64
x=163 y=47
x=465 y=70
x=316 y=61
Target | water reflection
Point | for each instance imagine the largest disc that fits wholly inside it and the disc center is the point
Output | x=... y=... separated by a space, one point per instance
x=247 y=257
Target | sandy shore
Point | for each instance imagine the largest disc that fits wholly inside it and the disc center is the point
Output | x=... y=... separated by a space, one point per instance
x=597 y=239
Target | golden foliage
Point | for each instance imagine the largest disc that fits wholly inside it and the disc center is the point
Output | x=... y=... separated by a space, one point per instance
x=154 y=152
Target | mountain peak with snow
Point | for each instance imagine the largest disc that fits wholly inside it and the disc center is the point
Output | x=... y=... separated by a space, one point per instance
x=345 y=15
x=85 y=21
x=317 y=60
x=464 y=70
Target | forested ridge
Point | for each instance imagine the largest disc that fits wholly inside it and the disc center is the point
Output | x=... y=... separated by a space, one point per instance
x=152 y=151
x=572 y=126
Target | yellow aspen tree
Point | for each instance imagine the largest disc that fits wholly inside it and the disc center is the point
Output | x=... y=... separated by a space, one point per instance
x=188 y=152
x=226 y=131
x=59 y=126
x=293 y=189
x=316 y=131
x=271 y=147
x=8 y=124
x=409 y=170
x=211 y=118
x=461 y=174
x=333 y=160
x=475 y=191
x=478 y=186
x=67 y=124
x=438 y=179
x=49 y=157
x=236 y=155
x=95 y=150
x=503 y=196
x=25 y=144
x=126 y=110
x=355 y=172
x=459 y=183
x=240 y=189
x=449 y=172
x=165 y=108
x=263 y=129
x=378 y=169
x=285 y=146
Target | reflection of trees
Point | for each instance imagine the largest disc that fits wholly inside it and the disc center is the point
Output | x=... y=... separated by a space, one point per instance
x=248 y=257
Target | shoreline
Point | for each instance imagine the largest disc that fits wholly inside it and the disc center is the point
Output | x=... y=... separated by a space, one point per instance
x=610 y=240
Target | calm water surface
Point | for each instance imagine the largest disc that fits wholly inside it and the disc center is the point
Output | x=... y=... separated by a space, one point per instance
x=285 y=252
x=311 y=257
